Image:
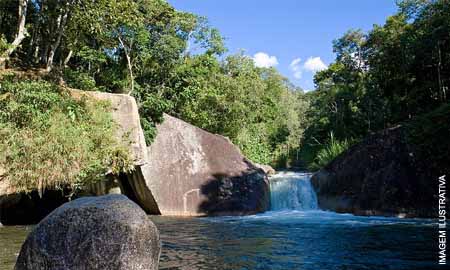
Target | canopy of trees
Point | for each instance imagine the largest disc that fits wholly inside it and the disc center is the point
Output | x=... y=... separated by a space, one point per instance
x=395 y=73
x=173 y=62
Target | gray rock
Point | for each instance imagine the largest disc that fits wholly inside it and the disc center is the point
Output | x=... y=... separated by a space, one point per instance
x=192 y=172
x=108 y=232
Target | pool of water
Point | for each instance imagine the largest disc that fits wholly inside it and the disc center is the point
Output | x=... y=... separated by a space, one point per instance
x=295 y=235
x=281 y=240
x=298 y=240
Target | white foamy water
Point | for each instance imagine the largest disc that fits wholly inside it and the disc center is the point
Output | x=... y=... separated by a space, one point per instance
x=292 y=191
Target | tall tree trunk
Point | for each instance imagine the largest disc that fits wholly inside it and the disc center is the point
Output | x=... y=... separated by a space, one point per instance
x=67 y=59
x=129 y=64
x=21 y=31
x=61 y=23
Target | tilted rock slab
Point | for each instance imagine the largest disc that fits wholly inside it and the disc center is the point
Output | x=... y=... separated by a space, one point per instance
x=107 y=232
x=125 y=113
x=186 y=171
x=191 y=172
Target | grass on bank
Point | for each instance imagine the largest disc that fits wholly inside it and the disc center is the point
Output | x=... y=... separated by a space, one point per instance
x=49 y=140
x=328 y=152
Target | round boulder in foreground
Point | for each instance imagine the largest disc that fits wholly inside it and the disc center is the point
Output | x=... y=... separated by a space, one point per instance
x=108 y=232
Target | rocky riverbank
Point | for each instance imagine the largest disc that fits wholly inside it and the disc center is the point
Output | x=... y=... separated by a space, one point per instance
x=385 y=174
x=186 y=171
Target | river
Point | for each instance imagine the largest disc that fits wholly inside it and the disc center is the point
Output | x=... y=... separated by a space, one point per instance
x=295 y=234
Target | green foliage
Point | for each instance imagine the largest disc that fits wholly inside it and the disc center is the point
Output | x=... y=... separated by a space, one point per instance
x=396 y=72
x=4 y=45
x=79 y=80
x=255 y=145
x=428 y=134
x=48 y=140
x=169 y=61
x=329 y=152
x=256 y=108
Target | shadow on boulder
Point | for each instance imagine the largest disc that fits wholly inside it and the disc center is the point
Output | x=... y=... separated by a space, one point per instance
x=243 y=194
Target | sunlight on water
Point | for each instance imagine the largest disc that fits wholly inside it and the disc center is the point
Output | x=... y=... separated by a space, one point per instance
x=294 y=235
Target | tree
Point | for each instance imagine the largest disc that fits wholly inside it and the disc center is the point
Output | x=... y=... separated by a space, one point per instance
x=21 y=31
x=393 y=74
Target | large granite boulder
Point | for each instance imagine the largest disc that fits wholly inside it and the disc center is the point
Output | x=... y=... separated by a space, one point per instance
x=192 y=172
x=107 y=232
x=379 y=176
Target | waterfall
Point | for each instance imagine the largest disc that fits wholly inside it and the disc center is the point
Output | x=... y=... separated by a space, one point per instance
x=292 y=191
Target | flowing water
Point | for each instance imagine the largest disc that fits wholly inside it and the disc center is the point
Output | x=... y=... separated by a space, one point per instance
x=294 y=235
x=292 y=191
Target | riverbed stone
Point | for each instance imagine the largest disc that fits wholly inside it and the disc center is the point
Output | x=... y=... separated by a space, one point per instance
x=269 y=170
x=107 y=232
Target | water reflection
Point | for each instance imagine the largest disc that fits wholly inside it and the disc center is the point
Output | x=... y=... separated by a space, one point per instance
x=297 y=240
x=11 y=239
x=281 y=240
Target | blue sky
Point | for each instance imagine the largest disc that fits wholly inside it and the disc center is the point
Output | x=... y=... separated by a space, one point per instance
x=295 y=36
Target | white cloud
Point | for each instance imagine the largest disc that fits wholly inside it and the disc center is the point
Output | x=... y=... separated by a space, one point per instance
x=262 y=59
x=314 y=64
x=296 y=62
x=296 y=68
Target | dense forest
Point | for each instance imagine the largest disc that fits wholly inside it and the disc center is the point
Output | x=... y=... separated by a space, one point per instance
x=175 y=62
x=395 y=74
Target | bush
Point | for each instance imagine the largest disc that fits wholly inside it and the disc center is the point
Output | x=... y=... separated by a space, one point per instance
x=254 y=144
x=79 y=80
x=4 y=45
x=48 y=140
x=329 y=152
